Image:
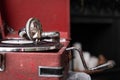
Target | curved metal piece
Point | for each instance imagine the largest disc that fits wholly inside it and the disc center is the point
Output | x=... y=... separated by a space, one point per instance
x=33 y=29
x=81 y=56
x=107 y=65
x=22 y=33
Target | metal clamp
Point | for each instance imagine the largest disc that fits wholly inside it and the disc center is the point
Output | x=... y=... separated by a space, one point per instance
x=2 y=62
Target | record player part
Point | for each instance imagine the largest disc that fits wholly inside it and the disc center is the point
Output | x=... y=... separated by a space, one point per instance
x=109 y=64
x=17 y=41
x=22 y=33
x=50 y=36
x=9 y=29
x=2 y=61
x=33 y=29
x=45 y=36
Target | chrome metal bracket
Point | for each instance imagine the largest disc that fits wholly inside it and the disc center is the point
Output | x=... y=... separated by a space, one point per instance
x=2 y=62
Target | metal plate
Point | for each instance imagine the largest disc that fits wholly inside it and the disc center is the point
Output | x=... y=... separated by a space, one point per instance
x=20 y=47
x=16 y=41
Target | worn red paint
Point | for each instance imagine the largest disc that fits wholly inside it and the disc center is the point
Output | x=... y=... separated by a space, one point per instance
x=54 y=16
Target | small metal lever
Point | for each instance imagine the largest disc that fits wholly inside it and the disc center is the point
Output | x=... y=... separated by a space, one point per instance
x=2 y=61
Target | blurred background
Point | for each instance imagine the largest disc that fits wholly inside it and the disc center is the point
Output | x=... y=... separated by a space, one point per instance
x=95 y=26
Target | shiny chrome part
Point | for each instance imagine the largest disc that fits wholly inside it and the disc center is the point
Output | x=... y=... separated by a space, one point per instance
x=33 y=29
x=107 y=65
x=81 y=56
x=63 y=40
x=45 y=36
x=26 y=49
x=22 y=33
x=25 y=46
x=2 y=62
x=16 y=41
x=51 y=36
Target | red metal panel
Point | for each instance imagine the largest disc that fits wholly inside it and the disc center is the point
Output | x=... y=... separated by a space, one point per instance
x=24 y=65
x=1 y=26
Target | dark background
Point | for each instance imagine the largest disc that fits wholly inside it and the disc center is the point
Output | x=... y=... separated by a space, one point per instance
x=96 y=24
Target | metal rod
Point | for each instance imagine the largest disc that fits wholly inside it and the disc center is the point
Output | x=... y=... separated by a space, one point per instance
x=81 y=56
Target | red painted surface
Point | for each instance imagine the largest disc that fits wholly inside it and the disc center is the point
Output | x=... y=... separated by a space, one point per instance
x=24 y=65
x=1 y=26
x=54 y=16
